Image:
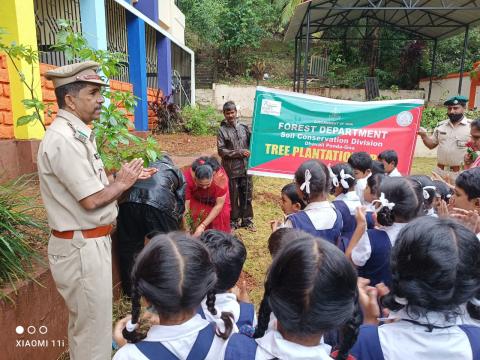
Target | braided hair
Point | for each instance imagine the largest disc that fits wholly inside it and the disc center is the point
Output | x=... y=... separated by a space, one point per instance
x=228 y=254
x=318 y=183
x=174 y=273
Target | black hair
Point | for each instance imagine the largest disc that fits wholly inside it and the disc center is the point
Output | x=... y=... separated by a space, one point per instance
x=279 y=237
x=377 y=167
x=475 y=123
x=152 y=234
x=469 y=181
x=347 y=169
x=204 y=167
x=428 y=189
x=360 y=161
x=174 y=273
x=406 y=197
x=68 y=89
x=229 y=105
x=319 y=182
x=435 y=267
x=443 y=190
x=311 y=288
x=389 y=156
x=228 y=255
x=374 y=181
x=290 y=191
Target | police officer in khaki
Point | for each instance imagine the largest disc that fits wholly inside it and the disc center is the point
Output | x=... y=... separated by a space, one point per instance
x=450 y=136
x=80 y=201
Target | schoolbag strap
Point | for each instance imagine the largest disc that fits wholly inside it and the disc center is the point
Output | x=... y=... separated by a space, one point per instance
x=203 y=343
x=201 y=312
x=473 y=334
x=368 y=344
x=240 y=347
x=247 y=314
x=153 y=350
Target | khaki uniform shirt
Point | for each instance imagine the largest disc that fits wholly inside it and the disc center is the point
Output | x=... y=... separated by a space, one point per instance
x=451 y=141
x=70 y=170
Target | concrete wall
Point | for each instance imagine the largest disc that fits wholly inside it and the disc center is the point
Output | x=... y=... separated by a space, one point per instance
x=48 y=96
x=444 y=88
x=172 y=19
x=244 y=96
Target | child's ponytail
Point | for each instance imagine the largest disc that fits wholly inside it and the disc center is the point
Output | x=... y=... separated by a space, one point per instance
x=129 y=332
x=349 y=331
x=227 y=317
x=263 y=316
x=473 y=307
x=385 y=214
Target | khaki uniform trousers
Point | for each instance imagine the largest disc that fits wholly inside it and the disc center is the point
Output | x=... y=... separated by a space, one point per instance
x=82 y=270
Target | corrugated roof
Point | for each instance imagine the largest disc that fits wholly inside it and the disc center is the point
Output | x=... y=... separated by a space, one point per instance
x=434 y=19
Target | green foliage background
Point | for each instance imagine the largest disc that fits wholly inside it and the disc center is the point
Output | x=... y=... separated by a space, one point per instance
x=236 y=32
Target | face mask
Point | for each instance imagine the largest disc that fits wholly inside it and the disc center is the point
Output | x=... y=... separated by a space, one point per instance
x=455 y=117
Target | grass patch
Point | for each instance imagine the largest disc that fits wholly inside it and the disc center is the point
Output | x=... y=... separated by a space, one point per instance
x=266 y=206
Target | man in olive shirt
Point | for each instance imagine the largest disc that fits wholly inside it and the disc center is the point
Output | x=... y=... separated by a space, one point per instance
x=450 y=136
x=80 y=201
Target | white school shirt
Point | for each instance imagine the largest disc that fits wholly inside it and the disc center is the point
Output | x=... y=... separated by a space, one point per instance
x=360 y=187
x=321 y=214
x=395 y=173
x=431 y=212
x=351 y=199
x=179 y=339
x=362 y=251
x=224 y=302
x=402 y=340
x=273 y=345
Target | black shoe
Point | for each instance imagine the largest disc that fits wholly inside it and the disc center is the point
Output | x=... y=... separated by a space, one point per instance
x=234 y=225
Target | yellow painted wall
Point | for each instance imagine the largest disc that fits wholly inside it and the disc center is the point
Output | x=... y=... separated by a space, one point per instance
x=19 y=21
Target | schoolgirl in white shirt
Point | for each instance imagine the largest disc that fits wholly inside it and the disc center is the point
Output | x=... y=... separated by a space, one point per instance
x=434 y=297
x=319 y=218
x=400 y=201
x=311 y=289
x=429 y=193
x=172 y=274
x=228 y=254
x=346 y=199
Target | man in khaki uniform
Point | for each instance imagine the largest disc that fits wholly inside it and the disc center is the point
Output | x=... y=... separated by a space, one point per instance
x=81 y=206
x=450 y=136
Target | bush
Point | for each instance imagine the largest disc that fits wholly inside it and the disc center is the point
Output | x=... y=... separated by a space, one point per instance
x=19 y=229
x=432 y=115
x=201 y=120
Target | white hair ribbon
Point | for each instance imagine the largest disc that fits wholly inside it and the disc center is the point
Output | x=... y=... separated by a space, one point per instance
x=475 y=302
x=383 y=201
x=426 y=195
x=333 y=177
x=343 y=178
x=130 y=327
x=306 y=184
x=401 y=301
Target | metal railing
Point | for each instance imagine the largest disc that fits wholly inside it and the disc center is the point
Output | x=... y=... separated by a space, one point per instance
x=152 y=59
x=47 y=12
x=116 y=21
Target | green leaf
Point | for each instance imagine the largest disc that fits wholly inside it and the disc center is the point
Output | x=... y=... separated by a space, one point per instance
x=24 y=120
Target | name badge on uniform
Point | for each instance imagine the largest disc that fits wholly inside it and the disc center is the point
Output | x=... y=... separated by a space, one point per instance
x=461 y=143
x=442 y=132
x=80 y=136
